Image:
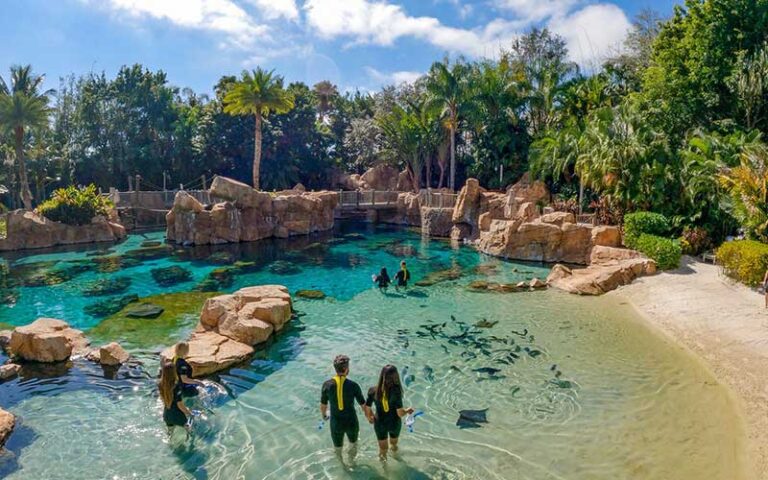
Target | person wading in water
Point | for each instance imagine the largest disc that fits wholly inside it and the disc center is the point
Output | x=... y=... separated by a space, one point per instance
x=341 y=394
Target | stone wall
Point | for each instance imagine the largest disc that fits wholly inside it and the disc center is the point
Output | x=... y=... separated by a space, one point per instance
x=28 y=230
x=245 y=214
x=436 y=222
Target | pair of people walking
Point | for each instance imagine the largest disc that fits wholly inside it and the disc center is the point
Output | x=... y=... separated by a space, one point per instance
x=402 y=277
x=383 y=408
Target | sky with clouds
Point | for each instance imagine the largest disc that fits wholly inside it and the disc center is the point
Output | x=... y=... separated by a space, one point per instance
x=357 y=44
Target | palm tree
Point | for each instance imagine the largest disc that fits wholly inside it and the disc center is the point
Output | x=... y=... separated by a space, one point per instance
x=22 y=108
x=326 y=93
x=258 y=93
x=446 y=87
x=403 y=139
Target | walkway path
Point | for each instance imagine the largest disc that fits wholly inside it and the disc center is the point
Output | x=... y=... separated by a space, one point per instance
x=726 y=325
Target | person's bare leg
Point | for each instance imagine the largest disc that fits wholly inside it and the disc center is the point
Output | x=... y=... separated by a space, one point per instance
x=352 y=453
x=338 y=451
x=383 y=447
x=393 y=445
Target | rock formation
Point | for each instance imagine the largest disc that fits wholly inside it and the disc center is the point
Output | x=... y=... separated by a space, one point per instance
x=28 y=230
x=407 y=212
x=230 y=325
x=245 y=214
x=46 y=340
x=7 y=423
x=436 y=222
x=610 y=268
x=9 y=370
x=111 y=354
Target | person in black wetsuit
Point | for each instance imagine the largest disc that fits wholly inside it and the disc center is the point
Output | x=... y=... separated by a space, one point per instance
x=387 y=422
x=402 y=276
x=184 y=371
x=382 y=279
x=341 y=394
x=175 y=413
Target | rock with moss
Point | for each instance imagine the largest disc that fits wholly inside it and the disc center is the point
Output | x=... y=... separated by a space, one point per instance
x=439 y=276
x=166 y=277
x=110 y=306
x=149 y=253
x=107 y=286
x=284 y=267
x=221 y=258
x=310 y=294
x=114 y=263
x=143 y=310
x=150 y=243
x=180 y=314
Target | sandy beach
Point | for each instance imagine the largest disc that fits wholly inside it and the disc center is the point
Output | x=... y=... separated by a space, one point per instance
x=726 y=325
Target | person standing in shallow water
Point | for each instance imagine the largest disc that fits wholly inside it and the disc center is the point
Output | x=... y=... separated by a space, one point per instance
x=341 y=393
x=402 y=276
x=184 y=371
x=175 y=413
x=387 y=422
x=382 y=279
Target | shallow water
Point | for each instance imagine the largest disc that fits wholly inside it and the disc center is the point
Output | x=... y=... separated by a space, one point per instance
x=625 y=404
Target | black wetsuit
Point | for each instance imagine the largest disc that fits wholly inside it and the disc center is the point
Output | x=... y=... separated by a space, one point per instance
x=184 y=368
x=343 y=421
x=402 y=277
x=388 y=422
x=383 y=281
x=173 y=416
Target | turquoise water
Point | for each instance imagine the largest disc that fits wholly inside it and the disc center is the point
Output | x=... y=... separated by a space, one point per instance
x=584 y=389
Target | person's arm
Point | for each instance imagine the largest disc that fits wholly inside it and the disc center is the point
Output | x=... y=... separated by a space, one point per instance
x=367 y=408
x=324 y=403
x=361 y=400
x=184 y=408
x=401 y=411
x=188 y=380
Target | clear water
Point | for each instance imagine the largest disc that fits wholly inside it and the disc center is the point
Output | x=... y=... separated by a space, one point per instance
x=626 y=404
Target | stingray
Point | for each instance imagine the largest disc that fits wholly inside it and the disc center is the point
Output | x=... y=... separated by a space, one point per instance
x=408 y=379
x=486 y=323
x=488 y=370
x=447 y=352
x=416 y=294
x=429 y=373
x=533 y=353
x=453 y=318
x=454 y=368
x=523 y=334
x=471 y=418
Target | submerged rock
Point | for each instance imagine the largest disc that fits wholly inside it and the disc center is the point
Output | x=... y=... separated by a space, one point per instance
x=46 y=340
x=310 y=294
x=108 y=286
x=151 y=243
x=283 y=267
x=7 y=423
x=9 y=370
x=166 y=277
x=144 y=310
x=439 y=276
x=221 y=258
x=111 y=354
x=110 y=306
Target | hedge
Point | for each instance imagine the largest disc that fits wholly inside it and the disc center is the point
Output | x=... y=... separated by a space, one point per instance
x=744 y=260
x=638 y=223
x=665 y=251
x=74 y=206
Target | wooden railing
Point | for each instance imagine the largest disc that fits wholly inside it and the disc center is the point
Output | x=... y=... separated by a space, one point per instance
x=368 y=199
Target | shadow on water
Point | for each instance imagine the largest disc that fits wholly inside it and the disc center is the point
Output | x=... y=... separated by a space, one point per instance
x=21 y=438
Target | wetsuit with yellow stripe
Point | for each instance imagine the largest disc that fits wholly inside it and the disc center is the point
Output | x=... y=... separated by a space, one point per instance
x=388 y=422
x=342 y=393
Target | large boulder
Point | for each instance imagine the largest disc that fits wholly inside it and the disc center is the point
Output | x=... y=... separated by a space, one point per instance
x=467 y=208
x=7 y=423
x=28 y=230
x=526 y=190
x=436 y=222
x=111 y=354
x=558 y=218
x=242 y=195
x=9 y=370
x=380 y=177
x=606 y=236
x=210 y=352
x=600 y=278
x=601 y=255
x=407 y=212
x=46 y=340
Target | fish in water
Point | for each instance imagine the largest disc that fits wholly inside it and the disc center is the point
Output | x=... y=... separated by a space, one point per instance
x=429 y=373
x=454 y=368
x=408 y=379
x=553 y=368
x=445 y=349
x=532 y=352
x=491 y=377
x=453 y=318
x=488 y=370
x=522 y=334
x=561 y=383
x=514 y=390
x=472 y=418
x=486 y=323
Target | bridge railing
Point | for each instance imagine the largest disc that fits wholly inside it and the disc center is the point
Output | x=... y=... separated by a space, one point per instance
x=155 y=200
x=439 y=199
x=367 y=198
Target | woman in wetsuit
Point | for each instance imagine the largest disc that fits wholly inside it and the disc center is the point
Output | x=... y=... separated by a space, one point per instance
x=175 y=413
x=382 y=279
x=184 y=371
x=387 y=422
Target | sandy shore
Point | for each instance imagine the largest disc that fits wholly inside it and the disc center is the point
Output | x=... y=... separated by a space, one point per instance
x=726 y=325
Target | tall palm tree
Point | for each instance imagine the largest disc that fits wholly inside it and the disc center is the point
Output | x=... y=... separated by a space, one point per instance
x=326 y=93
x=22 y=108
x=446 y=88
x=403 y=139
x=258 y=93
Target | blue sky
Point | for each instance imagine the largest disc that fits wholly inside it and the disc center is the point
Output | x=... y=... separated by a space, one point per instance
x=357 y=44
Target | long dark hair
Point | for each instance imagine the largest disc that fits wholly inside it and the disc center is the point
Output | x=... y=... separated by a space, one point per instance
x=389 y=382
x=167 y=382
x=384 y=273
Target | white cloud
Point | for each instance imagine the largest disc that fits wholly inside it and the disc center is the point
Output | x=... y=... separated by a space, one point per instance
x=592 y=32
x=536 y=10
x=395 y=78
x=273 y=9
x=222 y=16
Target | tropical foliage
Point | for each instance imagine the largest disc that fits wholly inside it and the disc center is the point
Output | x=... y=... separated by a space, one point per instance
x=744 y=260
x=75 y=206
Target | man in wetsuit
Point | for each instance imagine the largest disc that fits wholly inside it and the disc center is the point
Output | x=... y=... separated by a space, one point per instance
x=402 y=276
x=184 y=371
x=342 y=393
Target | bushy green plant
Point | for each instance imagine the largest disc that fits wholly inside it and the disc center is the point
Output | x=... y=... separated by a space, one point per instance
x=638 y=223
x=75 y=206
x=665 y=251
x=695 y=240
x=744 y=260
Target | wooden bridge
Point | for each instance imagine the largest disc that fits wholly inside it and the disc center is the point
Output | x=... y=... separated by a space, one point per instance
x=385 y=199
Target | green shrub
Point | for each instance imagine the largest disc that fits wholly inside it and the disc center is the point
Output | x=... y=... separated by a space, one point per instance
x=695 y=240
x=665 y=251
x=744 y=260
x=74 y=206
x=638 y=223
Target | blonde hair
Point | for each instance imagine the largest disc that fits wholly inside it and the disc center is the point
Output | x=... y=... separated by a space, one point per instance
x=167 y=383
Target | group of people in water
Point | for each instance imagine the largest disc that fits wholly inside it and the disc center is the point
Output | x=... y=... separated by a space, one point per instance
x=401 y=278
x=382 y=407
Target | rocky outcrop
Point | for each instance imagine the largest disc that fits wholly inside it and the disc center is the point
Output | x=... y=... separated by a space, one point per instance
x=111 y=354
x=380 y=177
x=436 y=222
x=230 y=325
x=407 y=212
x=7 y=423
x=527 y=191
x=28 y=230
x=46 y=340
x=466 y=212
x=609 y=268
x=244 y=214
x=9 y=370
